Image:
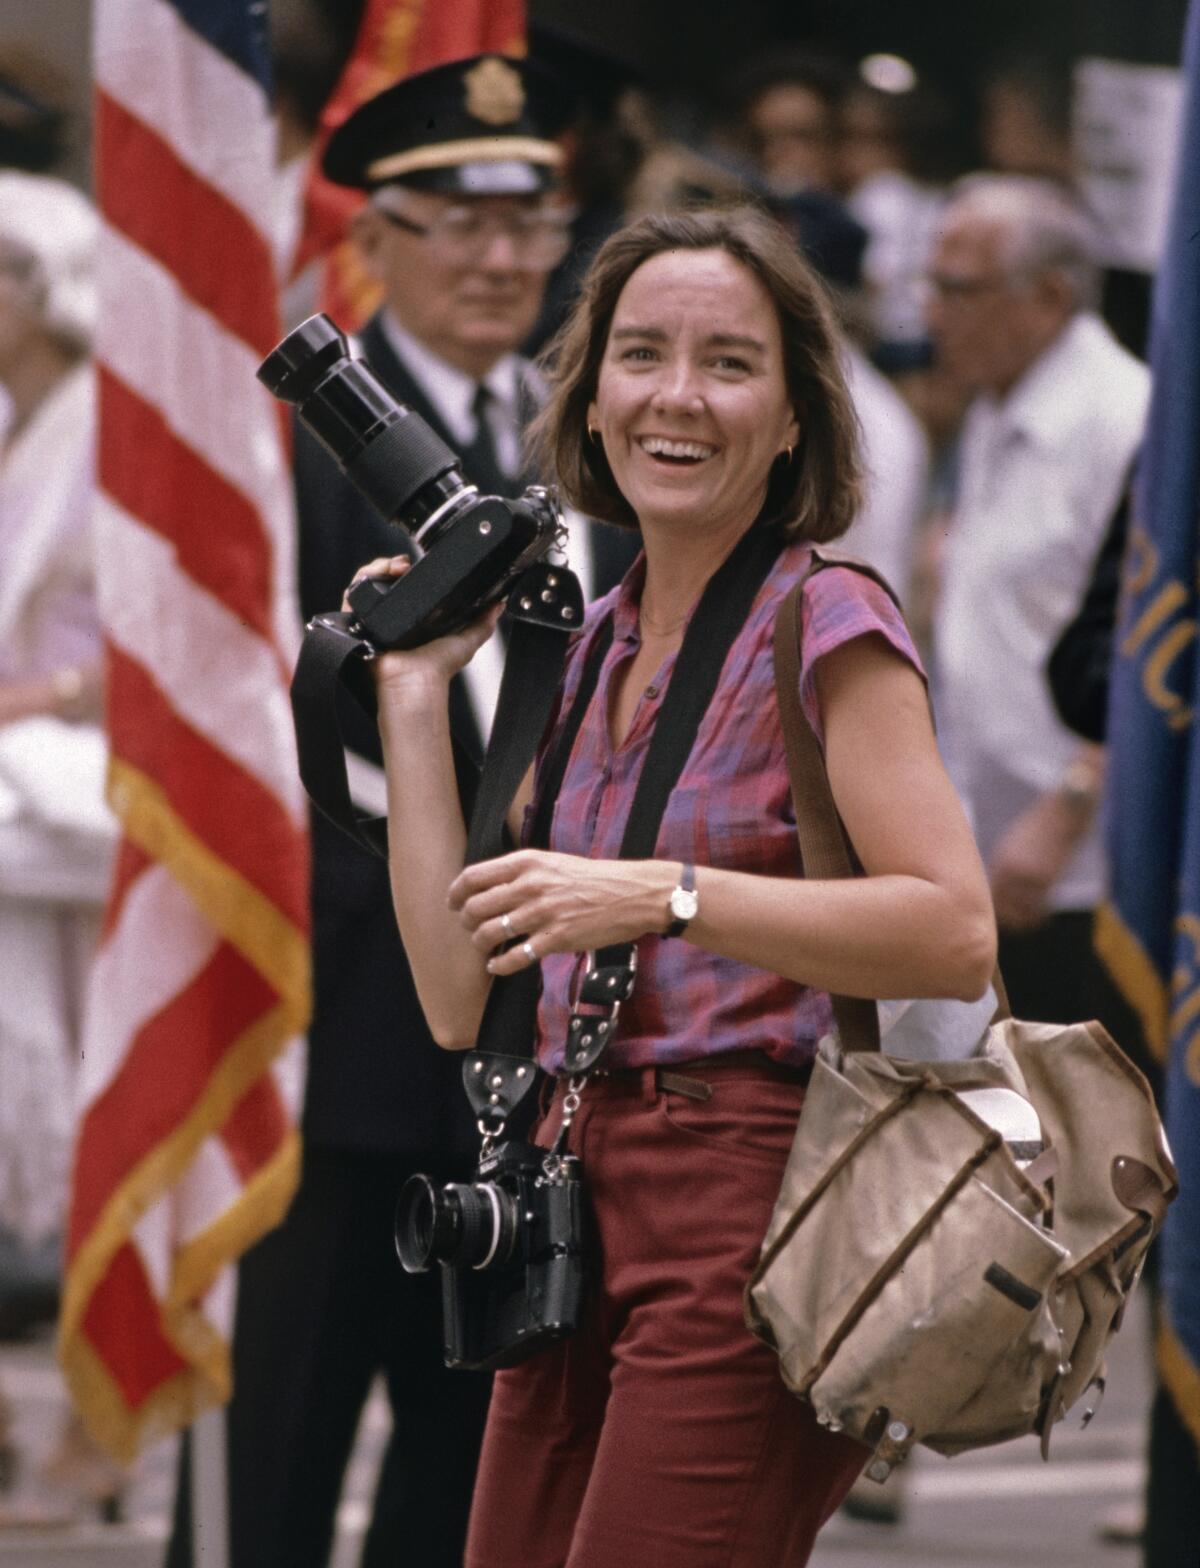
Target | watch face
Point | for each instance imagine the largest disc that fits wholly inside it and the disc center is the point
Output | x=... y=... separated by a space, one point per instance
x=684 y=903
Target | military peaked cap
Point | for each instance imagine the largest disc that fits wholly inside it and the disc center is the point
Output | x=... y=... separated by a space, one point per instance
x=483 y=126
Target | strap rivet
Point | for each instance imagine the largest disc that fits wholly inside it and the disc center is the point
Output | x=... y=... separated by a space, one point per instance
x=497 y=1081
x=478 y=1066
x=527 y=604
x=547 y=596
x=568 y=613
x=521 y=1071
x=494 y=1099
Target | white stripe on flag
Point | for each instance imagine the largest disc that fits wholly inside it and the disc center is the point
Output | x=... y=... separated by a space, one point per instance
x=160 y=944
x=207 y=108
x=214 y=671
x=167 y=371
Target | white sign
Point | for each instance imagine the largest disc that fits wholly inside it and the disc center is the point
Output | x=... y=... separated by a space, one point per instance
x=1126 y=134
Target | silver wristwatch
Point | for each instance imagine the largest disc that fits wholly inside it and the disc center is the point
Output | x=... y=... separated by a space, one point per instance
x=684 y=903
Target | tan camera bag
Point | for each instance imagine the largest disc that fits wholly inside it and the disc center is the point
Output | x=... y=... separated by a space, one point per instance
x=918 y=1284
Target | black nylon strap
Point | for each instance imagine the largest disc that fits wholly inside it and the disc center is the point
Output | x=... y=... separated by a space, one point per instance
x=331 y=658
x=499 y=1073
x=719 y=616
x=532 y=668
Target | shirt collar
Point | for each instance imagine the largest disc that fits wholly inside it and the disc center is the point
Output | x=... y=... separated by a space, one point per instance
x=628 y=601
x=1041 y=407
x=449 y=389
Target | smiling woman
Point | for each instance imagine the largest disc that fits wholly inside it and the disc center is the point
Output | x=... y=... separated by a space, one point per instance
x=774 y=323
x=695 y=395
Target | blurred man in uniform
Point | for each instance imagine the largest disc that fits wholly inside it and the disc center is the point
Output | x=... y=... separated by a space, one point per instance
x=461 y=228
x=1046 y=450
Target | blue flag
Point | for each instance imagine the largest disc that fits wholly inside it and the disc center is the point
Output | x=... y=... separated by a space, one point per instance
x=1149 y=934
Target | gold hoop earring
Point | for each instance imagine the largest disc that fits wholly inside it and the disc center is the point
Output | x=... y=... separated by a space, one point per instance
x=593 y=435
x=786 y=455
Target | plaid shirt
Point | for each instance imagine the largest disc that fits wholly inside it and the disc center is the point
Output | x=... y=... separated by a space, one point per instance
x=731 y=807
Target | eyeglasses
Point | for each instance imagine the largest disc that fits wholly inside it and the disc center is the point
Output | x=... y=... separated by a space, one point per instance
x=949 y=286
x=463 y=236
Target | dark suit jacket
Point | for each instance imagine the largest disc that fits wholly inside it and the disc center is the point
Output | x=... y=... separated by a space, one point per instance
x=1079 y=667
x=376 y=1082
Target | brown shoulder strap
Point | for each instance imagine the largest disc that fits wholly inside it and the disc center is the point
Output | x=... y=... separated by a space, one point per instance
x=825 y=851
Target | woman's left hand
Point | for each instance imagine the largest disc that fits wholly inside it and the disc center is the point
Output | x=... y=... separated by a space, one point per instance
x=549 y=903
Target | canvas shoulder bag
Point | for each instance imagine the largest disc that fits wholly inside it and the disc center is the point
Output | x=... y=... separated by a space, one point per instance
x=926 y=1279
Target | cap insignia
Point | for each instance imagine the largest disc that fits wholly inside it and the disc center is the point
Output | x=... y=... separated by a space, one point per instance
x=495 y=93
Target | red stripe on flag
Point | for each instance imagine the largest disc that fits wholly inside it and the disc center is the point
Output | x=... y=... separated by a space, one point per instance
x=123 y=1318
x=165 y=1071
x=157 y=478
x=130 y=863
x=258 y=1126
x=235 y=816
x=216 y=254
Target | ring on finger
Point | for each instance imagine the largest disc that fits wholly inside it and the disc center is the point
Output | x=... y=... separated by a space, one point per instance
x=506 y=926
x=527 y=949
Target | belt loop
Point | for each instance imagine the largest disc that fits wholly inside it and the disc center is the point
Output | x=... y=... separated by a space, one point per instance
x=649 y=1085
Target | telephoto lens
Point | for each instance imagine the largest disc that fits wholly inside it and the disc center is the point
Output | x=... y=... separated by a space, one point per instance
x=385 y=449
x=460 y=1225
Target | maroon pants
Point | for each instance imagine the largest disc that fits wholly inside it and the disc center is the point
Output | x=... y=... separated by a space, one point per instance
x=661 y=1431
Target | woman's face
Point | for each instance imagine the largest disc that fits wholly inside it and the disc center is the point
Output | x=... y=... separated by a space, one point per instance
x=691 y=405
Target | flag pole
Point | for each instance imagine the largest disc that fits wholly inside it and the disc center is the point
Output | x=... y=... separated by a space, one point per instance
x=210 y=1490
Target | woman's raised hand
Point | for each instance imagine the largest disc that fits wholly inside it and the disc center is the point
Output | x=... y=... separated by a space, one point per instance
x=545 y=902
x=433 y=662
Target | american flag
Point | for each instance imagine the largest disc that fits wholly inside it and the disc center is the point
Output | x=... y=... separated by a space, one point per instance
x=186 y=1149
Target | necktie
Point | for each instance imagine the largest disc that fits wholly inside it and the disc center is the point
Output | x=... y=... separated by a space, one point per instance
x=481 y=466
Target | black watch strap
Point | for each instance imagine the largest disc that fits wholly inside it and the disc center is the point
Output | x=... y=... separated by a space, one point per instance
x=686 y=884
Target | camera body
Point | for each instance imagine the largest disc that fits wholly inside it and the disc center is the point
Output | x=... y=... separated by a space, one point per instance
x=510 y=1246
x=472 y=548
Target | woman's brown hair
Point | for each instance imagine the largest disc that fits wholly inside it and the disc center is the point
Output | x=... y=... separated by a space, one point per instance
x=817 y=493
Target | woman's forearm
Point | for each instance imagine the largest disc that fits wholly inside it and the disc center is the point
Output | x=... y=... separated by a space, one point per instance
x=426 y=845
x=889 y=935
x=879 y=936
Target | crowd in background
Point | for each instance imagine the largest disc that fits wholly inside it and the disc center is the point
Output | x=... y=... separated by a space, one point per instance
x=1000 y=421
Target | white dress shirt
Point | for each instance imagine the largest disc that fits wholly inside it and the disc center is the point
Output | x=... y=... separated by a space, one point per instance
x=1041 y=473
x=452 y=392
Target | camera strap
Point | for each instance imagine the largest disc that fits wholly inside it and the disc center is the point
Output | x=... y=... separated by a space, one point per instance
x=498 y=1073
x=334 y=659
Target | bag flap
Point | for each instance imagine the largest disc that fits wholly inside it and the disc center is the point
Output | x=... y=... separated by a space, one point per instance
x=1097 y=1111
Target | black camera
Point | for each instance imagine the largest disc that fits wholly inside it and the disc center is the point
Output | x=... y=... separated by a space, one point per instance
x=473 y=548
x=510 y=1245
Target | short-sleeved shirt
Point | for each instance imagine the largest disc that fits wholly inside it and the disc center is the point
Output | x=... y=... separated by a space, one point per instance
x=731 y=808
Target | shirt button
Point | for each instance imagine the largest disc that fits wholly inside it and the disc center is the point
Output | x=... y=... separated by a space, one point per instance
x=652 y=691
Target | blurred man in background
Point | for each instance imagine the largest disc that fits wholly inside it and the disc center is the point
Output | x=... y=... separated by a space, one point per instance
x=1046 y=449
x=789 y=101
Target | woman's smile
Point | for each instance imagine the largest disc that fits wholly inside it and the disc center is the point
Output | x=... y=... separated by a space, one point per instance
x=676 y=451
